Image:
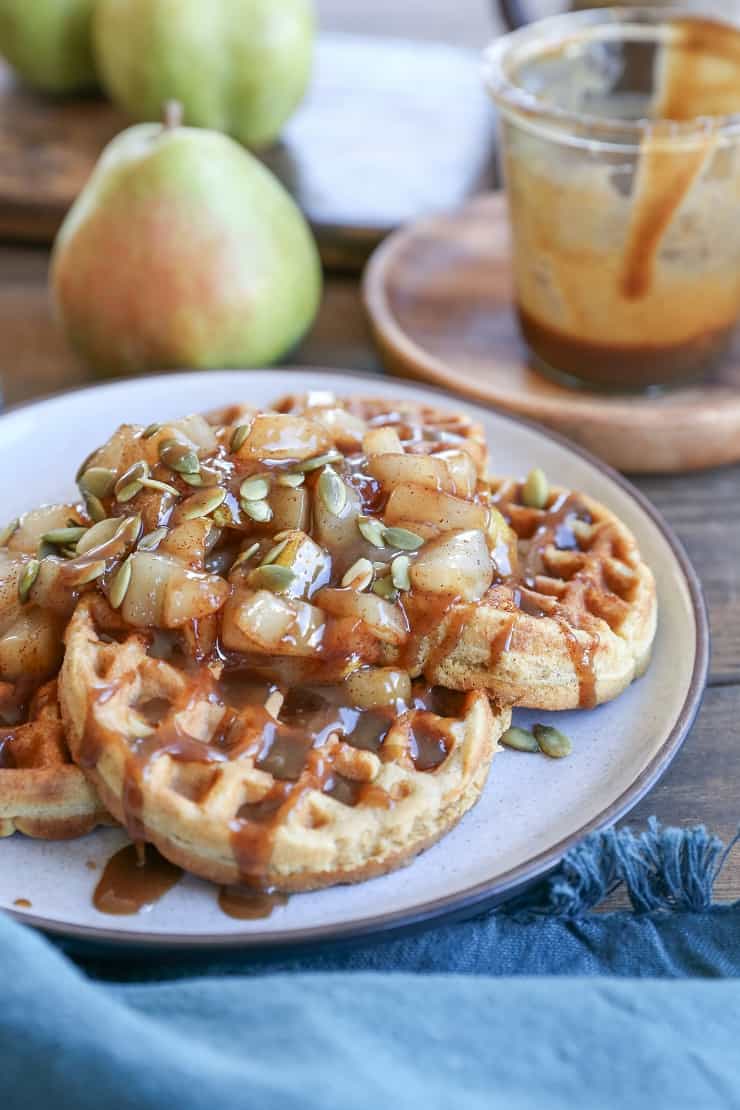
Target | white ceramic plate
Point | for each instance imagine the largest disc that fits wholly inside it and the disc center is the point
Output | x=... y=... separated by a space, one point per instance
x=532 y=809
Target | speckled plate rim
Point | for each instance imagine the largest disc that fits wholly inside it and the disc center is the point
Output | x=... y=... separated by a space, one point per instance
x=481 y=896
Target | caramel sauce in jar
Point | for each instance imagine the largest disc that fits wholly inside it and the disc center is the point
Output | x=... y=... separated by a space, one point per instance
x=626 y=242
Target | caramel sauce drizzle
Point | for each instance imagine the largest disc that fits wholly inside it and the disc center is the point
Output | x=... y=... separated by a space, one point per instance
x=134 y=880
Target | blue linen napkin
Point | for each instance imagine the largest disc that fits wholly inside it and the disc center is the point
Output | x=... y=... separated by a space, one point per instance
x=477 y=1029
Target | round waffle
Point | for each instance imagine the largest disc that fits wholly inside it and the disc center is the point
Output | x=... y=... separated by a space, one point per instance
x=42 y=793
x=239 y=779
x=572 y=627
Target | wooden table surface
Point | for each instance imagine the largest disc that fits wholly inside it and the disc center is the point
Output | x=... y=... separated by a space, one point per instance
x=703 y=784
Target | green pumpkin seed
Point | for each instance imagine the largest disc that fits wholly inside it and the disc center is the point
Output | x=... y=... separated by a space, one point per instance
x=60 y=537
x=402 y=539
x=384 y=588
x=291 y=480
x=179 y=457
x=274 y=553
x=332 y=491
x=519 y=739
x=552 y=741
x=94 y=507
x=152 y=539
x=245 y=555
x=135 y=473
x=257 y=510
x=120 y=583
x=359 y=576
x=151 y=430
x=400 y=572
x=98 y=480
x=45 y=549
x=88 y=573
x=238 y=436
x=254 y=489
x=275 y=578
x=128 y=492
x=203 y=503
x=316 y=463
x=536 y=490
x=161 y=487
x=371 y=530
x=8 y=532
x=195 y=480
x=27 y=579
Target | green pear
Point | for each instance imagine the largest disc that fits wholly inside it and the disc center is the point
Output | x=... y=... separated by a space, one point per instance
x=49 y=42
x=183 y=250
x=239 y=66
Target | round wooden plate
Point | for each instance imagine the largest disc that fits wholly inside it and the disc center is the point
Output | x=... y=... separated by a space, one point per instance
x=439 y=296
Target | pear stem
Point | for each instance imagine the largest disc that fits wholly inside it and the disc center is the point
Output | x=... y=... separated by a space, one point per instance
x=172 y=115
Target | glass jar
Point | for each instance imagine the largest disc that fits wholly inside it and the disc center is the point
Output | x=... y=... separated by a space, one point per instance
x=620 y=144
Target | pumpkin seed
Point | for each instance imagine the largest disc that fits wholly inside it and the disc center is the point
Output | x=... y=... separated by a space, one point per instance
x=87 y=573
x=60 y=537
x=292 y=480
x=359 y=576
x=320 y=460
x=238 y=436
x=152 y=539
x=245 y=555
x=371 y=530
x=94 y=506
x=161 y=487
x=128 y=492
x=45 y=549
x=384 y=588
x=536 y=490
x=98 y=480
x=274 y=553
x=8 y=531
x=258 y=510
x=27 y=579
x=129 y=529
x=552 y=741
x=275 y=578
x=400 y=572
x=179 y=457
x=254 y=489
x=134 y=473
x=203 y=503
x=120 y=583
x=332 y=491
x=193 y=479
x=519 y=739
x=151 y=430
x=402 y=539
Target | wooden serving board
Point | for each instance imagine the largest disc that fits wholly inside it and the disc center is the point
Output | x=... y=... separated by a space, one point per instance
x=390 y=130
x=439 y=296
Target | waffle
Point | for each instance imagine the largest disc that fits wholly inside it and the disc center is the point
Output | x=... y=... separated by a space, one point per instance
x=42 y=793
x=235 y=781
x=573 y=627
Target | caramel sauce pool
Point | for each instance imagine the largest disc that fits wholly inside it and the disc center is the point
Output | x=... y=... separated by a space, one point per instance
x=248 y=905
x=131 y=883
